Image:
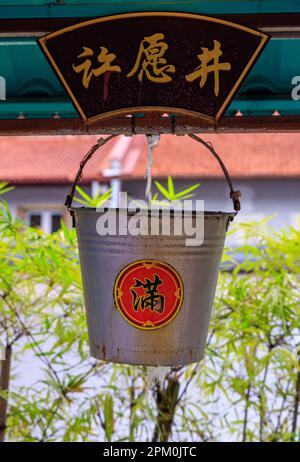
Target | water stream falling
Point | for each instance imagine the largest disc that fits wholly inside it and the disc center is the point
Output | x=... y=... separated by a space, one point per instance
x=155 y=375
x=153 y=141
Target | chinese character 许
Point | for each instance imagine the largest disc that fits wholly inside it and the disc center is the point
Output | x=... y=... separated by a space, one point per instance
x=104 y=59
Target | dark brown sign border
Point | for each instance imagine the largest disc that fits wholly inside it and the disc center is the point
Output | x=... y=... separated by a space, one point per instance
x=42 y=41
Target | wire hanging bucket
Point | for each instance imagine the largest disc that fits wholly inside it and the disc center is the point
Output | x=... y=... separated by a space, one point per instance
x=148 y=298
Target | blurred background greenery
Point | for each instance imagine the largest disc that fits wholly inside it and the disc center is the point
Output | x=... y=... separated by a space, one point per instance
x=247 y=388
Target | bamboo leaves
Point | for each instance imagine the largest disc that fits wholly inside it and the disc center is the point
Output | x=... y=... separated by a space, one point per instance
x=170 y=194
x=99 y=199
x=246 y=388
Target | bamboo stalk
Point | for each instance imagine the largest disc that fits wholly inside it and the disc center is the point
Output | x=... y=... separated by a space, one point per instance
x=296 y=404
x=4 y=387
x=166 y=402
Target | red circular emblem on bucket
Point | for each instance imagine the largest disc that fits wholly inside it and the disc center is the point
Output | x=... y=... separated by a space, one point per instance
x=148 y=293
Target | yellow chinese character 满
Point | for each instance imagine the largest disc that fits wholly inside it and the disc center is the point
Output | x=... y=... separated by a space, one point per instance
x=209 y=63
x=151 y=62
x=104 y=59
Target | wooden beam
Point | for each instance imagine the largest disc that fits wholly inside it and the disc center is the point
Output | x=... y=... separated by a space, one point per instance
x=150 y=124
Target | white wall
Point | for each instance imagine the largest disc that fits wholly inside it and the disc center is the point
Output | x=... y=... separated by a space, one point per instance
x=260 y=198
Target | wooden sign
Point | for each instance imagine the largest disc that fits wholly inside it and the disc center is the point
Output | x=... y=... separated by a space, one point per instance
x=175 y=63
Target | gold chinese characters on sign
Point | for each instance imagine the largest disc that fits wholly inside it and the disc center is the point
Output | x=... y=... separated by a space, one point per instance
x=104 y=59
x=151 y=63
x=209 y=63
x=175 y=63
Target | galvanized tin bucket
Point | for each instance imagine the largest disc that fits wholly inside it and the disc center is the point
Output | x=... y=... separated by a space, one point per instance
x=149 y=298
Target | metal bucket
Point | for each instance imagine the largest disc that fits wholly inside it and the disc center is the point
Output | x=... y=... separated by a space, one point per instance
x=148 y=299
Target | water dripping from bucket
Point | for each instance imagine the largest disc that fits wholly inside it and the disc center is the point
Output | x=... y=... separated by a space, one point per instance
x=156 y=376
x=153 y=141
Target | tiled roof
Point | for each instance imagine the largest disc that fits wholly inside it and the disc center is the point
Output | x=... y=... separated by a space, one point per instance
x=48 y=159
x=55 y=159
x=265 y=155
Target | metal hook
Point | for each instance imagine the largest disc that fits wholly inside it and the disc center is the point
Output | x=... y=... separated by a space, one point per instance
x=133 y=125
x=173 y=122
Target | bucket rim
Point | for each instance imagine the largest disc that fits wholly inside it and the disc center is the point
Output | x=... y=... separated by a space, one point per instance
x=161 y=211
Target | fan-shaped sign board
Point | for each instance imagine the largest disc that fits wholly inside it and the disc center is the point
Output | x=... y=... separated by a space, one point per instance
x=139 y=62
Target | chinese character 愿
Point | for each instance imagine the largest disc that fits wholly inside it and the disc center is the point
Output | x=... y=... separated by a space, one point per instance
x=151 y=62
x=151 y=298
x=104 y=59
x=209 y=63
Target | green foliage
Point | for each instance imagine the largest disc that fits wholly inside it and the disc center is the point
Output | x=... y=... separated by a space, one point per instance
x=245 y=389
x=98 y=200
x=109 y=417
x=4 y=188
x=171 y=195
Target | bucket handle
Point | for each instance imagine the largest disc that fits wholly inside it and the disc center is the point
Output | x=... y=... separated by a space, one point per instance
x=234 y=194
x=101 y=142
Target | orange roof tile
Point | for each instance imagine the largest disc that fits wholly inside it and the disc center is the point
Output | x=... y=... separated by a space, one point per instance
x=266 y=155
x=48 y=159
x=55 y=159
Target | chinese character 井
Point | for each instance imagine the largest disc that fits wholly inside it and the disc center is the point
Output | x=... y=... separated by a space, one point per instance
x=151 y=298
x=209 y=63
x=104 y=59
x=151 y=62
